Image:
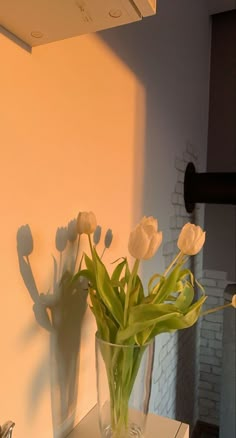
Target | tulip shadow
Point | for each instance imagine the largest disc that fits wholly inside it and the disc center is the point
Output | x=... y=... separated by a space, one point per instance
x=61 y=312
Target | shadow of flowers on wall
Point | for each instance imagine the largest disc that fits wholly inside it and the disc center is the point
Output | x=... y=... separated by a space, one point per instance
x=60 y=311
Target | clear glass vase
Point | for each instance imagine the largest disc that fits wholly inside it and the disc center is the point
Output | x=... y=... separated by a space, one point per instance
x=123 y=388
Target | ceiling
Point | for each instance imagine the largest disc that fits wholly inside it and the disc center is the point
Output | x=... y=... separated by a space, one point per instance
x=37 y=22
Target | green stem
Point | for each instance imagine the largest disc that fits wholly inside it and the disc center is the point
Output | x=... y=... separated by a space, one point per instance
x=216 y=309
x=179 y=255
x=90 y=245
x=129 y=287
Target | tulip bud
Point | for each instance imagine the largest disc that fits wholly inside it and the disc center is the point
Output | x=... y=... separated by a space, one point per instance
x=24 y=241
x=61 y=238
x=86 y=222
x=145 y=240
x=234 y=301
x=191 y=239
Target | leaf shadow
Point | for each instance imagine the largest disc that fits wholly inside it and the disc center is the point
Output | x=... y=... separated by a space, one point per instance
x=60 y=312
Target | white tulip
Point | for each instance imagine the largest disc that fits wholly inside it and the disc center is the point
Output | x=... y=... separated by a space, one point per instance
x=86 y=222
x=234 y=301
x=191 y=239
x=145 y=239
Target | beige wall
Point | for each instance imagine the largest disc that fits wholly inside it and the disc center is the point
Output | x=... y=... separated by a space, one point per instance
x=72 y=119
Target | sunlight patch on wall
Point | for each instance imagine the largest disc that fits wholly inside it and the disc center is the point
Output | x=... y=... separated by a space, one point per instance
x=72 y=119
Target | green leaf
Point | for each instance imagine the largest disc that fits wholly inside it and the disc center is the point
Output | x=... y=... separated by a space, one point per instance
x=99 y=313
x=179 y=286
x=87 y=274
x=149 y=312
x=106 y=291
x=181 y=321
x=144 y=316
x=185 y=298
x=117 y=271
x=134 y=329
x=168 y=286
x=127 y=272
x=194 y=312
x=186 y=272
x=89 y=264
x=150 y=283
x=200 y=286
x=136 y=294
x=142 y=337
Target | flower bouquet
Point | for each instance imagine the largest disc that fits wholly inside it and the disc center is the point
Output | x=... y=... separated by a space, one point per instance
x=128 y=317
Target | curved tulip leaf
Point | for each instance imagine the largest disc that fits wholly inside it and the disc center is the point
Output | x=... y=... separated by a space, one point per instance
x=177 y=323
x=106 y=290
x=87 y=274
x=153 y=289
x=89 y=264
x=186 y=272
x=118 y=270
x=185 y=298
x=150 y=312
x=167 y=286
x=134 y=329
x=99 y=316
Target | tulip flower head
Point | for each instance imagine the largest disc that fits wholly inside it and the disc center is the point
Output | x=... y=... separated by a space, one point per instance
x=234 y=301
x=145 y=239
x=86 y=222
x=191 y=239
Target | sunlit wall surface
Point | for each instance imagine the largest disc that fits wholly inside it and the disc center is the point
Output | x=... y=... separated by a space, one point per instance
x=72 y=119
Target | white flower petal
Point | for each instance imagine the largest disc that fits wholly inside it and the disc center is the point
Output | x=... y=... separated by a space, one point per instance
x=154 y=245
x=191 y=239
x=145 y=240
x=86 y=222
x=234 y=301
x=138 y=243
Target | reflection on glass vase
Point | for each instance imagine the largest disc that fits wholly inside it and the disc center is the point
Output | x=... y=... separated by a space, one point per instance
x=123 y=388
x=64 y=387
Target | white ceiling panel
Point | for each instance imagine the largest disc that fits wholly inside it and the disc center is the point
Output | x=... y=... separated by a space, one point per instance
x=37 y=22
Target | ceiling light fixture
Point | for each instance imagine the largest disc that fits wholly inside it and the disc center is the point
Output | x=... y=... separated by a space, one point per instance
x=36 y=34
x=115 y=13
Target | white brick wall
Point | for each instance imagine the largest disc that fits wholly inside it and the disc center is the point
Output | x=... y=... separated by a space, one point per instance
x=209 y=389
x=176 y=370
x=188 y=364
